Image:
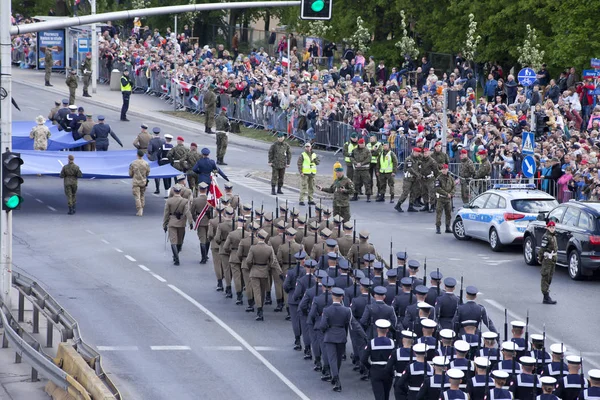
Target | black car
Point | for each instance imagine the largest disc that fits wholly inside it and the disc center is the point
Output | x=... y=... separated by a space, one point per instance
x=577 y=235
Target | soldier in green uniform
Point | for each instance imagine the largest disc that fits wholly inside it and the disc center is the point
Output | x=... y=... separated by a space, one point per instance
x=361 y=159
x=466 y=173
x=222 y=128
x=48 y=63
x=285 y=258
x=210 y=107
x=311 y=238
x=358 y=250
x=444 y=190
x=142 y=139
x=307 y=167
x=234 y=198
x=375 y=148
x=70 y=173
x=231 y=246
x=242 y=254
x=547 y=257
x=410 y=182
x=280 y=158
x=139 y=170
x=53 y=111
x=178 y=155
x=387 y=165
x=484 y=172
x=175 y=216
x=198 y=205
x=349 y=147
x=346 y=240
x=341 y=188
x=40 y=134
x=439 y=157
x=86 y=72
x=261 y=262
x=86 y=133
x=428 y=170
x=191 y=160
x=71 y=82
x=212 y=231
x=223 y=230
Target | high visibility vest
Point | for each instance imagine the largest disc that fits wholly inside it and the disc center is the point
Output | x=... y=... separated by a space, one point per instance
x=386 y=165
x=351 y=147
x=126 y=88
x=308 y=163
x=372 y=147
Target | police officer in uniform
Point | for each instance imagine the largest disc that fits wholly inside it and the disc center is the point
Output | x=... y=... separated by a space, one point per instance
x=175 y=216
x=307 y=167
x=126 y=88
x=261 y=261
x=410 y=184
x=100 y=133
x=547 y=257
x=222 y=128
x=197 y=207
x=375 y=358
x=142 y=140
x=387 y=166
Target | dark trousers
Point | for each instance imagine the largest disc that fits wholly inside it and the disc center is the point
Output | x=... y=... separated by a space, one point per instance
x=125 y=106
x=295 y=317
x=380 y=383
x=305 y=329
x=334 y=355
x=101 y=146
x=166 y=183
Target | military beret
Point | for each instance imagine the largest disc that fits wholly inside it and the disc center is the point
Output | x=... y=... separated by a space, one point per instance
x=449 y=282
x=421 y=289
x=321 y=274
x=347 y=225
x=229 y=211
x=401 y=255
x=144 y=126
x=454 y=373
x=291 y=231
x=156 y=130
x=382 y=323
x=262 y=234
x=280 y=134
x=325 y=232
x=328 y=281
x=302 y=219
x=331 y=242
x=358 y=274
x=228 y=185
x=332 y=256
x=180 y=177
x=100 y=117
x=364 y=234
x=203 y=185
x=247 y=207
x=344 y=264
x=366 y=282
x=472 y=290
x=369 y=257
x=378 y=265
x=436 y=275
x=313 y=225
x=268 y=216
x=337 y=218
x=406 y=281
x=413 y=264
x=336 y=291
x=310 y=263
x=392 y=273
x=301 y=255
x=380 y=290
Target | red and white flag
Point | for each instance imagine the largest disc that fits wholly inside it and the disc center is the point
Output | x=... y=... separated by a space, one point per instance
x=284 y=62
x=214 y=194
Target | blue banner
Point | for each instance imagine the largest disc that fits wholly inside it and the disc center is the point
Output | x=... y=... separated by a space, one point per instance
x=55 y=40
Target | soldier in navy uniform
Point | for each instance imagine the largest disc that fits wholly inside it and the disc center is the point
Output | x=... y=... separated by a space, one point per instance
x=358 y=306
x=314 y=318
x=593 y=392
x=289 y=286
x=476 y=386
x=392 y=286
x=509 y=363
x=377 y=310
x=498 y=392
x=518 y=331
x=415 y=374
x=414 y=313
x=548 y=385
x=471 y=310
x=446 y=348
x=400 y=359
x=354 y=289
x=446 y=304
x=454 y=392
x=471 y=337
x=433 y=386
x=428 y=326
x=435 y=290
x=461 y=362
x=332 y=265
x=557 y=366
x=375 y=358
x=490 y=348
x=305 y=307
x=413 y=270
x=378 y=278
x=526 y=383
x=367 y=269
x=403 y=299
x=335 y=323
x=303 y=284
x=538 y=352
x=343 y=280
x=401 y=264
x=569 y=387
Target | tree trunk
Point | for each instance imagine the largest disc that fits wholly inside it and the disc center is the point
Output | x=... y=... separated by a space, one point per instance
x=267 y=24
x=245 y=24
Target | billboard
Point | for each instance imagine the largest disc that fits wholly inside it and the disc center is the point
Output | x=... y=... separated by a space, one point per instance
x=55 y=40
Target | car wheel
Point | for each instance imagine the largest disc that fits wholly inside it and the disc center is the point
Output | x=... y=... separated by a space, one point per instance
x=494 y=240
x=529 y=251
x=458 y=228
x=575 y=265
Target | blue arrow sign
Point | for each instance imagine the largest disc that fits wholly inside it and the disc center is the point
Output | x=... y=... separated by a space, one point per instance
x=528 y=166
x=595 y=63
x=528 y=143
x=526 y=76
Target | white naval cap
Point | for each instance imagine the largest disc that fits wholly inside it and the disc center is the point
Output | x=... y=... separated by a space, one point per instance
x=420 y=348
x=537 y=337
x=489 y=335
x=454 y=373
x=383 y=323
x=572 y=359
x=482 y=362
x=558 y=348
x=428 y=323
x=517 y=324
x=509 y=346
x=440 y=361
x=447 y=333
x=594 y=374
x=548 y=380
x=462 y=346
x=500 y=374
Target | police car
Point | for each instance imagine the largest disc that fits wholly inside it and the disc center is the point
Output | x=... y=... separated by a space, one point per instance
x=501 y=215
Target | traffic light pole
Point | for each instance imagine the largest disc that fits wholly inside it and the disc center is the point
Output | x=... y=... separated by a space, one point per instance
x=6 y=144
x=445 y=122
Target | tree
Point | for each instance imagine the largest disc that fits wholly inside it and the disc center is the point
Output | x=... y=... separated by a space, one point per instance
x=470 y=46
x=406 y=44
x=530 y=53
x=361 y=38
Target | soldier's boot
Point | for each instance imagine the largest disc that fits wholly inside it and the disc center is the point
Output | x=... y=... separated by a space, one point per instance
x=398 y=207
x=179 y=247
x=279 y=307
x=273 y=192
x=203 y=253
x=380 y=198
x=240 y=299
x=419 y=202
x=326 y=375
x=368 y=198
x=208 y=130
x=391 y=198
x=74 y=210
x=250 y=307
x=288 y=317
x=448 y=230
x=48 y=83
x=411 y=208
x=223 y=161
x=70 y=211
x=337 y=386
x=279 y=191
x=307 y=353
x=437 y=230
x=426 y=208
x=297 y=345
x=219 y=285
x=268 y=300
x=355 y=197
x=139 y=211
x=432 y=208
x=259 y=314
x=318 y=367
x=548 y=299
x=175 y=254
x=228 y=293
x=86 y=94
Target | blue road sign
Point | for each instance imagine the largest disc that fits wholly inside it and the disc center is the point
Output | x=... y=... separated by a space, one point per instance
x=526 y=76
x=595 y=63
x=528 y=143
x=83 y=45
x=528 y=166
x=591 y=73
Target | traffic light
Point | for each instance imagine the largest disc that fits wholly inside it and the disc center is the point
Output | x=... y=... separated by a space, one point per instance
x=316 y=9
x=11 y=181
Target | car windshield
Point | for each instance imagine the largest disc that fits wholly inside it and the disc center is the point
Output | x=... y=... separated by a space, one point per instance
x=533 y=206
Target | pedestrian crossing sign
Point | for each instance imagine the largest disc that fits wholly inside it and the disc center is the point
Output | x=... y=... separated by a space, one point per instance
x=528 y=143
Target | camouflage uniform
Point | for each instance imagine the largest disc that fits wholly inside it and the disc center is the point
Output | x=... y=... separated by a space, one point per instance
x=440 y=158
x=139 y=170
x=40 y=135
x=410 y=182
x=70 y=173
x=466 y=173
x=362 y=156
x=86 y=71
x=547 y=256
x=222 y=128
x=192 y=158
x=210 y=106
x=48 y=61
x=280 y=156
x=444 y=186
x=348 y=149
x=71 y=82
x=341 y=189
x=428 y=170
x=483 y=173
x=177 y=156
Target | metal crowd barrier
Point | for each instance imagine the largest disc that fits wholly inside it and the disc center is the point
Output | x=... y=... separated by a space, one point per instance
x=478 y=186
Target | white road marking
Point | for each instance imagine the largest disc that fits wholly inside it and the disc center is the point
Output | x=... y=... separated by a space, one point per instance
x=532 y=327
x=243 y=342
x=485 y=258
x=130 y=258
x=123 y=181
x=144 y=267
x=61 y=163
x=117 y=348
x=118 y=250
x=160 y=278
x=590 y=354
x=51 y=208
x=454 y=259
x=39 y=201
x=224 y=348
x=169 y=348
x=90 y=232
x=104 y=241
x=266 y=348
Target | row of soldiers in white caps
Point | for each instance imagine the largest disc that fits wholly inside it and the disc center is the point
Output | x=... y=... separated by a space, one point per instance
x=425 y=343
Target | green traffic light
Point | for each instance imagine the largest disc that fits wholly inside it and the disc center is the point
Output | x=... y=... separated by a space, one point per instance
x=13 y=201
x=317 y=6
